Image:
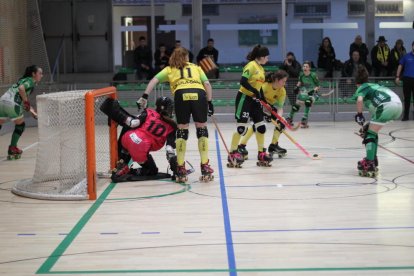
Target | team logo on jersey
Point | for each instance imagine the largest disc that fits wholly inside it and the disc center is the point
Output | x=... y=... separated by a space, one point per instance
x=134 y=137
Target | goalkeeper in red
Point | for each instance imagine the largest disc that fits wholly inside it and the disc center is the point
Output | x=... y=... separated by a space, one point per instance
x=13 y=104
x=148 y=132
x=384 y=106
x=192 y=98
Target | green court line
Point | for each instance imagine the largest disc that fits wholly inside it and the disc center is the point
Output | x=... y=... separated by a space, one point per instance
x=305 y=269
x=61 y=248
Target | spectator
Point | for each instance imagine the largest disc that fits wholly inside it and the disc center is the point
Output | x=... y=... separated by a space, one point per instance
x=326 y=57
x=350 y=68
x=177 y=45
x=211 y=52
x=161 y=58
x=359 y=46
x=396 y=54
x=143 y=60
x=407 y=62
x=380 y=55
x=293 y=68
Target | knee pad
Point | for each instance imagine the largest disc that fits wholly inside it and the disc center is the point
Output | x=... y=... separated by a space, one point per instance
x=370 y=138
x=182 y=133
x=260 y=127
x=242 y=129
x=149 y=167
x=295 y=107
x=308 y=103
x=18 y=129
x=202 y=132
x=124 y=155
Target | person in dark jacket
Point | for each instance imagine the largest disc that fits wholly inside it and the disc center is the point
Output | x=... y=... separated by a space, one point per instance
x=360 y=47
x=326 y=57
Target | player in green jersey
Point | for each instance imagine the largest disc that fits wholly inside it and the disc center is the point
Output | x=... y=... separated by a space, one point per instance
x=14 y=102
x=384 y=106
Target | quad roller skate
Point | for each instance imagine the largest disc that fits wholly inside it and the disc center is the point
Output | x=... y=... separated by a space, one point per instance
x=304 y=123
x=276 y=149
x=181 y=174
x=206 y=173
x=264 y=159
x=14 y=153
x=235 y=160
x=367 y=168
x=243 y=151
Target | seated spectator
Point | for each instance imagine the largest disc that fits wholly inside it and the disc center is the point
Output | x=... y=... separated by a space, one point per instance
x=350 y=68
x=161 y=58
x=360 y=47
x=326 y=57
x=143 y=60
x=209 y=51
x=380 y=55
x=177 y=45
x=293 y=68
x=396 y=54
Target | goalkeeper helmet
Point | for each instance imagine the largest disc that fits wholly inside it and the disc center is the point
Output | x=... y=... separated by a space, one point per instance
x=165 y=106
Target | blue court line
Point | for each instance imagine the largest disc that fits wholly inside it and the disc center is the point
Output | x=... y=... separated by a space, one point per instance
x=226 y=216
x=323 y=229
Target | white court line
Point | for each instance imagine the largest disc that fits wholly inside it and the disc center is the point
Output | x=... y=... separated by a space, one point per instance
x=26 y=148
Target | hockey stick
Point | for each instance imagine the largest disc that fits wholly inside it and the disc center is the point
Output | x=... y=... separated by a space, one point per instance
x=314 y=157
x=328 y=93
x=222 y=139
x=280 y=118
x=390 y=151
x=33 y=113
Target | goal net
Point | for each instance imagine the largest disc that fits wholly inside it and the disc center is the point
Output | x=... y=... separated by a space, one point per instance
x=76 y=146
x=21 y=39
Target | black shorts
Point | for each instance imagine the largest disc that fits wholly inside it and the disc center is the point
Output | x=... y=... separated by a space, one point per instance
x=247 y=107
x=190 y=102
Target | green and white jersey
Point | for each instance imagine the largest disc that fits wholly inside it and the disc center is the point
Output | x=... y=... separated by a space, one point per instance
x=375 y=95
x=12 y=95
x=308 y=82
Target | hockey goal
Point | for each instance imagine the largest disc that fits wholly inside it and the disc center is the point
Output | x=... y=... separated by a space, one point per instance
x=76 y=145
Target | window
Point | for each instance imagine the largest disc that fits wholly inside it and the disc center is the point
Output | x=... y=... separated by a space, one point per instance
x=383 y=8
x=316 y=9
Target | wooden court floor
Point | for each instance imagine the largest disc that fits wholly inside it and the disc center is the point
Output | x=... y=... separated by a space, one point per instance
x=298 y=217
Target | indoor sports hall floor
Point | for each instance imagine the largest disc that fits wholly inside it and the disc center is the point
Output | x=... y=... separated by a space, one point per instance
x=298 y=217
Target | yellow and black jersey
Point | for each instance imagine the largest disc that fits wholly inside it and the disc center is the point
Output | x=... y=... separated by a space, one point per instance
x=191 y=76
x=274 y=96
x=255 y=74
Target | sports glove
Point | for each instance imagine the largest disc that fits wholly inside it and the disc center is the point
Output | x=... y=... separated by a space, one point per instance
x=359 y=118
x=210 y=108
x=143 y=101
x=132 y=122
x=26 y=105
x=170 y=153
x=296 y=90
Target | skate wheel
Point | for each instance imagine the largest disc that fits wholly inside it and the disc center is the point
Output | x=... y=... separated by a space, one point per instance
x=258 y=164
x=229 y=165
x=10 y=157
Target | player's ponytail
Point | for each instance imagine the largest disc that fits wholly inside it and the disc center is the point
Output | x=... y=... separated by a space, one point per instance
x=169 y=120
x=29 y=71
x=179 y=58
x=362 y=75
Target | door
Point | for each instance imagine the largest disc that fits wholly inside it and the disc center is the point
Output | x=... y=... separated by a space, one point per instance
x=311 y=41
x=92 y=40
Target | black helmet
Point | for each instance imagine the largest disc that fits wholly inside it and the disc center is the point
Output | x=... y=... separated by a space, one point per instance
x=164 y=106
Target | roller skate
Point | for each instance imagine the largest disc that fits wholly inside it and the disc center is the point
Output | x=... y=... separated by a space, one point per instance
x=276 y=149
x=304 y=123
x=181 y=174
x=243 y=151
x=289 y=121
x=264 y=159
x=235 y=160
x=121 y=168
x=206 y=173
x=367 y=168
x=14 y=153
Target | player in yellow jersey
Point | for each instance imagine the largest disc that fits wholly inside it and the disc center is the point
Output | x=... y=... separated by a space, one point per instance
x=275 y=94
x=192 y=97
x=248 y=107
